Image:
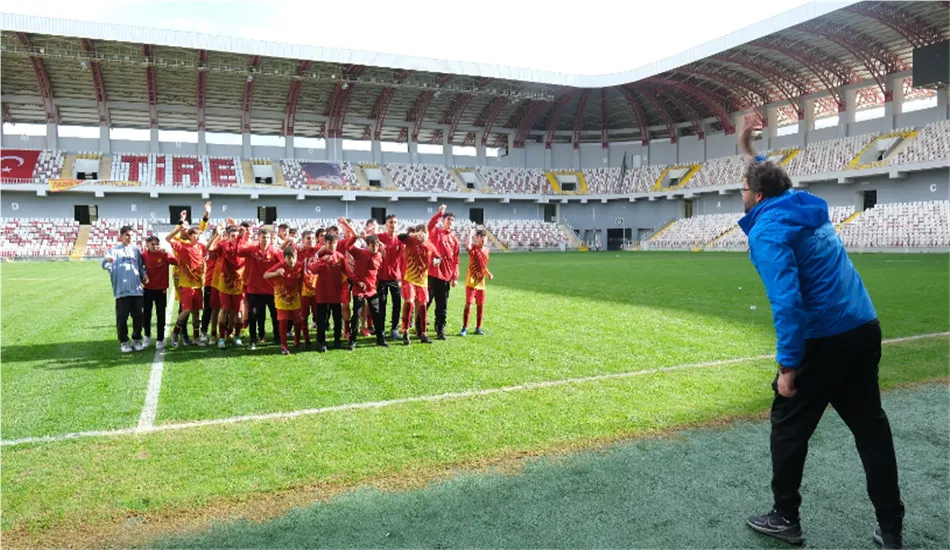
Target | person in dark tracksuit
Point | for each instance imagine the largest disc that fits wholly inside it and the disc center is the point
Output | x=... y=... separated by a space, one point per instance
x=828 y=347
x=127 y=271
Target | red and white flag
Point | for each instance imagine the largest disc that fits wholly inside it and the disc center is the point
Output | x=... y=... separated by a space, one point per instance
x=18 y=163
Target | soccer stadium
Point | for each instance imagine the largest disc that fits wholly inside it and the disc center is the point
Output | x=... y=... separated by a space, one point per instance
x=609 y=309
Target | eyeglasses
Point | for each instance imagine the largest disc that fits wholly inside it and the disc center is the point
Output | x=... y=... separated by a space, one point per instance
x=744 y=189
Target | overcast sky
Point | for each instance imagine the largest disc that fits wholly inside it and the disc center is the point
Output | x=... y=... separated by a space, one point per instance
x=589 y=37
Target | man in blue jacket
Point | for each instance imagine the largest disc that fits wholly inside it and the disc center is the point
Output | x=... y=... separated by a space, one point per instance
x=127 y=271
x=828 y=346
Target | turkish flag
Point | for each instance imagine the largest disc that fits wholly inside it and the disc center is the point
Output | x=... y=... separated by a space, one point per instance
x=18 y=163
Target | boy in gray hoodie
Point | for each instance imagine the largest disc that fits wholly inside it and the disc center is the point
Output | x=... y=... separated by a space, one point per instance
x=127 y=271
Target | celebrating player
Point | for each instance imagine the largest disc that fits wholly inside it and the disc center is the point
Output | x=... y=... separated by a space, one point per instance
x=391 y=273
x=260 y=257
x=368 y=256
x=287 y=280
x=331 y=266
x=444 y=275
x=475 y=280
x=191 y=263
x=155 y=292
x=420 y=255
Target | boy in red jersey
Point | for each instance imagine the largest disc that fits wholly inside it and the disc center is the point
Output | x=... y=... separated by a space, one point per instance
x=420 y=255
x=367 y=257
x=331 y=267
x=260 y=257
x=367 y=321
x=287 y=276
x=191 y=262
x=391 y=272
x=230 y=286
x=155 y=293
x=444 y=276
x=212 y=304
x=308 y=256
x=475 y=280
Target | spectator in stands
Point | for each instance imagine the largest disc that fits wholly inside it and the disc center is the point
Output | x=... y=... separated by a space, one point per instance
x=155 y=291
x=829 y=346
x=391 y=273
x=127 y=271
x=445 y=275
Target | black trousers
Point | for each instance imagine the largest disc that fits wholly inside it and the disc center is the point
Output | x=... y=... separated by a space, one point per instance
x=159 y=299
x=841 y=370
x=439 y=293
x=206 y=311
x=383 y=290
x=323 y=321
x=130 y=305
x=257 y=307
x=374 y=311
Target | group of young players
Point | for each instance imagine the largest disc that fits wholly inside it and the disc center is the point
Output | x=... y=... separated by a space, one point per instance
x=234 y=279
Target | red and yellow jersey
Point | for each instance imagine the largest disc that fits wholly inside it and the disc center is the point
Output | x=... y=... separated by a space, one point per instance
x=191 y=263
x=477 y=267
x=287 y=287
x=418 y=256
x=231 y=268
x=307 y=257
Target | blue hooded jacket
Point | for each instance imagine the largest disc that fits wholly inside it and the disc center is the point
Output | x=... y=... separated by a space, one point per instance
x=126 y=270
x=810 y=281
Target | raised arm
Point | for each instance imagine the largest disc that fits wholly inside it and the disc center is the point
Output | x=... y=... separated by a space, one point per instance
x=436 y=218
x=170 y=238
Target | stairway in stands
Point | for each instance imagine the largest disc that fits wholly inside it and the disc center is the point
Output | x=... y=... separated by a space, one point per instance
x=79 y=250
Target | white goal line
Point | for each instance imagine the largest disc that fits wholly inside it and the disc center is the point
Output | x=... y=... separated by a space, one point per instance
x=418 y=399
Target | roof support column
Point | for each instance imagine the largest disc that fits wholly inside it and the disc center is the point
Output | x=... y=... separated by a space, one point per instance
x=846 y=117
x=202 y=141
x=413 y=148
x=377 y=148
x=335 y=149
x=806 y=121
x=246 y=145
x=447 y=149
x=289 y=147
x=153 y=141
x=548 y=158
x=105 y=144
x=52 y=136
x=576 y=151
x=893 y=100
x=943 y=101
x=480 y=153
x=516 y=154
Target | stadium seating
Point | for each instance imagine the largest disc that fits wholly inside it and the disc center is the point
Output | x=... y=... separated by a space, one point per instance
x=104 y=234
x=422 y=177
x=516 y=234
x=49 y=165
x=294 y=176
x=513 y=180
x=39 y=237
x=186 y=171
x=831 y=155
x=900 y=225
x=641 y=180
x=603 y=181
x=932 y=143
x=719 y=171
x=690 y=232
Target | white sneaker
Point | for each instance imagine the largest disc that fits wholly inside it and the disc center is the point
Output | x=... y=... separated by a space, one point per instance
x=238 y=342
x=252 y=347
x=146 y=342
x=174 y=340
x=125 y=347
x=137 y=345
x=221 y=343
x=202 y=342
x=160 y=345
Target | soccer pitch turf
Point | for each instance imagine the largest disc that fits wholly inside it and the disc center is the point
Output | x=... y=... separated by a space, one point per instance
x=550 y=317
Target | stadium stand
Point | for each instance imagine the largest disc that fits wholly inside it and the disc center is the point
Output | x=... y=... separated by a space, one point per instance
x=421 y=177
x=38 y=237
x=603 y=181
x=515 y=234
x=513 y=180
x=641 y=180
x=900 y=225
x=932 y=143
x=187 y=171
x=696 y=231
x=49 y=166
x=719 y=171
x=104 y=234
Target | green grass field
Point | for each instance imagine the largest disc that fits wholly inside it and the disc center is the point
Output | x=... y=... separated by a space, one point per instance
x=549 y=317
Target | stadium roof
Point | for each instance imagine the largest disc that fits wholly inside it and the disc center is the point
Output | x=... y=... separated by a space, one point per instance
x=79 y=73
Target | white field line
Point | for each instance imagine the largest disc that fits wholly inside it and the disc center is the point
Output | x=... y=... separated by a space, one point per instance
x=147 y=419
x=419 y=399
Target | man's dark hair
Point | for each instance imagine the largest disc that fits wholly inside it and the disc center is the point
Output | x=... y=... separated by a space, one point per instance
x=305 y=234
x=481 y=233
x=391 y=217
x=319 y=232
x=231 y=229
x=246 y=225
x=292 y=231
x=264 y=231
x=289 y=250
x=282 y=226
x=448 y=215
x=767 y=178
x=329 y=238
x=125 y=229
x=151 y=239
